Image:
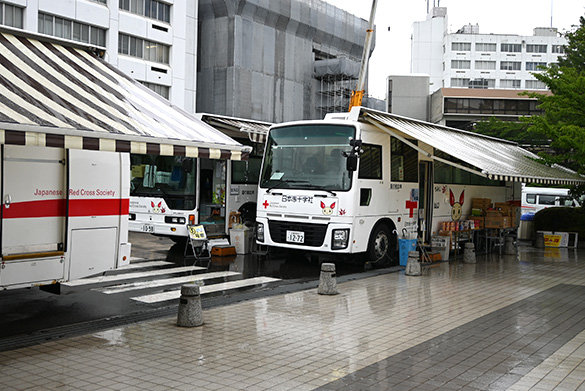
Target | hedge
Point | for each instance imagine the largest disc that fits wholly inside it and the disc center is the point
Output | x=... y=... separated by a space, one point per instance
x=562 y=219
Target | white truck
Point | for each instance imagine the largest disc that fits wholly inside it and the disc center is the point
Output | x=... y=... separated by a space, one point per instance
x=64 y=214
x=355 y=182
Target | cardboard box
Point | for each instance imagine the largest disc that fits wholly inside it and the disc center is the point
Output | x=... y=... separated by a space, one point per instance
x=223 y=250
x=496 y=220
x=481 y=203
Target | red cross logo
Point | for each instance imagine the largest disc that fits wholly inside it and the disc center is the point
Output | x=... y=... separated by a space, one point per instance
x=411 y=205
x=265 y=204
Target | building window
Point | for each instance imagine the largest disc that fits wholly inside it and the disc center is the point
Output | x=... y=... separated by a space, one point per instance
x=534 y=66
x=371 y=162
x=510 y=83
x=461 y=46
x=535 y=85
x=485 y=64
x=531 y=48
x=510 y=65
x=100 y=1
x=158 y=88
x=511 y=47
x=490 y=106
x=69 y=29
x=460 y=64
x=150 y=8
x=404 y=161
x=485 y=47
x=11 y=15
x=558 y=49
x=459 y=82
x=482 y=83
x=142 y=48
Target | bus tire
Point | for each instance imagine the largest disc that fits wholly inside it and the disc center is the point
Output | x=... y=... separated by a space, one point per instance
x=380 y=245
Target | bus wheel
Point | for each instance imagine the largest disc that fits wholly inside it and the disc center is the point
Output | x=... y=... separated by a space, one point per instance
x=379 y=246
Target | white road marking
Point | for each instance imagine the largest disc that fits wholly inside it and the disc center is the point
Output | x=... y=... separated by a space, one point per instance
x=166 y=281
x=175 y=294
x=128 y=276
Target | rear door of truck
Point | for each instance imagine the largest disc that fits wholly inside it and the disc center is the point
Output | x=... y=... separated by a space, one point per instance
x=33 y=210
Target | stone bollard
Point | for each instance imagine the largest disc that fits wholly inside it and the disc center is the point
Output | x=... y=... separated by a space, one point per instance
x=413 y=267
x=190 y=313
x=327 y=281
x=469 y=253
x=539 y=241
x=509 y=248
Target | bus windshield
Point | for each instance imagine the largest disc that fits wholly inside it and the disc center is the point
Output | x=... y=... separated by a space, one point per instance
x=307 y=157
x=169 y=177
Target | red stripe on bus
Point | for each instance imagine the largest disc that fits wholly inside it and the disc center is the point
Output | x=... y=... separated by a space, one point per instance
x=77 y=208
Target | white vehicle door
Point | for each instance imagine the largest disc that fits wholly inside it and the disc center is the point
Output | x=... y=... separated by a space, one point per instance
x=33 y=200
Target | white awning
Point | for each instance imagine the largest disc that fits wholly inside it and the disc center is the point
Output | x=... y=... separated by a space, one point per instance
x=256 y=131
x=57 y=95
x=493 y=158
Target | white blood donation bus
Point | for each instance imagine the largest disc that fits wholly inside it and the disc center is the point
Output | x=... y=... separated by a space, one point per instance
x=170 y=192
x=355 y=182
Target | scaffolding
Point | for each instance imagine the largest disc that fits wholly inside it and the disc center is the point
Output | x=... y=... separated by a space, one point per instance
x=337 y=79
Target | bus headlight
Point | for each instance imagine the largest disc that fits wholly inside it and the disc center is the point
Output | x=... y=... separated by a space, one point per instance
x=260 y=232
x=339 y=239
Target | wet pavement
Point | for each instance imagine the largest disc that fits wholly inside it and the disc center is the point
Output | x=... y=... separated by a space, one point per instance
x=30 y=316
x=281 y=264
x=506 y=322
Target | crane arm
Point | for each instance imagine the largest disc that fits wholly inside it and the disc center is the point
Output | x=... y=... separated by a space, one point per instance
x=358 y=94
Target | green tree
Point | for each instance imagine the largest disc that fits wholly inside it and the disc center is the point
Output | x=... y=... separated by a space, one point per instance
x=563 y=120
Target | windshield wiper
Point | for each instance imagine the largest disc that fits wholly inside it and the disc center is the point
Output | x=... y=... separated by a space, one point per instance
x=280 y=181
x=316 y=187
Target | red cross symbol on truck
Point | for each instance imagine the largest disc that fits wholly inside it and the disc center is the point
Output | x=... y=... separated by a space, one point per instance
x=265 y=204
x=411 y=205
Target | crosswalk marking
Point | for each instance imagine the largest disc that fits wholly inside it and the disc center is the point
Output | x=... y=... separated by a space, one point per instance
x=175 y=294
x=166 y=281
x=140 y=265
x=129 y=276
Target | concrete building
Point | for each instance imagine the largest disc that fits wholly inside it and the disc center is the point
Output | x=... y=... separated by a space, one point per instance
x=468 y=59
x=277 y=60
x=408 y=95
x=153 y=41
x=273 y=61
x=462 y=107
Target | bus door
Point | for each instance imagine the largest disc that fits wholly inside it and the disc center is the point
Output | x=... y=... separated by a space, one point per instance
x=212 y=196
x=425 y=207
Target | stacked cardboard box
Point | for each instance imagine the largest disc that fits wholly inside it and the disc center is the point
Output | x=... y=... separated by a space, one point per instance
x=495 y=219
x=507 y=209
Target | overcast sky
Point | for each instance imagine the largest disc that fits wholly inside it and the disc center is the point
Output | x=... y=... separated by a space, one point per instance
x=392 y=52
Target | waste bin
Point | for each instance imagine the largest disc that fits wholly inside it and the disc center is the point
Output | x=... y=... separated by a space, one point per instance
x=240 y=239
x=441 y=244
x=525 y=230
x=404 y=246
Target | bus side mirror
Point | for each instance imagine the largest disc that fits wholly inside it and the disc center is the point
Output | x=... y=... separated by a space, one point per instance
x=351 y=163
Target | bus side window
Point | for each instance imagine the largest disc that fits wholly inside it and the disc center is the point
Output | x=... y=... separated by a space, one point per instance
x=531 y=198
x=546 y=199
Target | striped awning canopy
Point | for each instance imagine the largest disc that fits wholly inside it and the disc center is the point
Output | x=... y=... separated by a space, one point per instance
x=58 y=95
x=256 y=131
x=490 y=157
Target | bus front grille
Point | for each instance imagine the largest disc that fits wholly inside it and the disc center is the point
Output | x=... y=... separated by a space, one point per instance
x=314 y=233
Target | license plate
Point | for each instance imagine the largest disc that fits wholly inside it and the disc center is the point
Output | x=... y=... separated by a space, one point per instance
x=295 y=236
x=148 y=228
